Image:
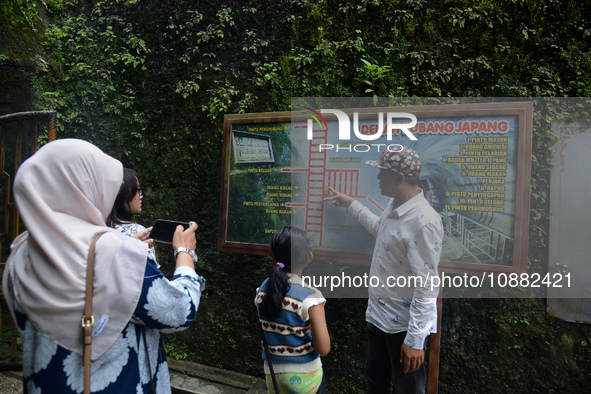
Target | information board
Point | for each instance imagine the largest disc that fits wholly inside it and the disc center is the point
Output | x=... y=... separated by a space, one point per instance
x=476 y=161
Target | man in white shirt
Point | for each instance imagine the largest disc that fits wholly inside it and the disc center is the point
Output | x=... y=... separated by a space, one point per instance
x=401 y=311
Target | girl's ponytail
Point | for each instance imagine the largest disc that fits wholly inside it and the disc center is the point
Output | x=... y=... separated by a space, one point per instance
x=277 y=286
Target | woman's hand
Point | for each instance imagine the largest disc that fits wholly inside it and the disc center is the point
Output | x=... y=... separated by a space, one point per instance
x=144 y=236
x=185 y=239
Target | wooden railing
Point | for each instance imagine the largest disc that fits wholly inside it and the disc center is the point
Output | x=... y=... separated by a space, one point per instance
x=19 y=134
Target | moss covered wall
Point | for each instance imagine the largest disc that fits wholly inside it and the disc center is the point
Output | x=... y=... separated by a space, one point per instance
x=21 y=32
x=149 y=82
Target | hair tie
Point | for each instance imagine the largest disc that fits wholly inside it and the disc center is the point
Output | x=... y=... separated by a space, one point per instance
x=280 y=265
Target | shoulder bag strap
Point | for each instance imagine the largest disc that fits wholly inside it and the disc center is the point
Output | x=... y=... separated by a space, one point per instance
x=88 y=319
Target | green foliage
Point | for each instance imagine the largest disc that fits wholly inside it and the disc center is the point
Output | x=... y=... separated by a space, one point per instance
x=585 y=344
x=374 y=74
x=21 y=29
x=6 y=335
x=176 y=348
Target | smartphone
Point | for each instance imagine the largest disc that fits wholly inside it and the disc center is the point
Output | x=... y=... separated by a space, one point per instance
x=163 y=230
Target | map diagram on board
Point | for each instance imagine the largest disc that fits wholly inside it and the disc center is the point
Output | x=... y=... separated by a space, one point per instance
x=278 y=177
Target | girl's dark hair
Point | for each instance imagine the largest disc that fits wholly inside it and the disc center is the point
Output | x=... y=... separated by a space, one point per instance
x=121 y=211
x=289 y=246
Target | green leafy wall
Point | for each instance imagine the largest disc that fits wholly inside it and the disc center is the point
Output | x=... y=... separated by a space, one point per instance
x=149 y=82
x=21 y=39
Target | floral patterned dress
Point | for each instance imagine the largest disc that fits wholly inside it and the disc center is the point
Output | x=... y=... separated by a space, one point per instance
x=164 y=306
x=132 y=229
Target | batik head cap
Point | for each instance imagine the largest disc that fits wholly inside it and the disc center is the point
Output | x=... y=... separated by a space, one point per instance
x=403 y=160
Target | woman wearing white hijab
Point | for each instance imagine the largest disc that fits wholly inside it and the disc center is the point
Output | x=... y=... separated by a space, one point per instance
x=64 y=193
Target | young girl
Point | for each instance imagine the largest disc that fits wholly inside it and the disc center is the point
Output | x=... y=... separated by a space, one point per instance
x=292 y=318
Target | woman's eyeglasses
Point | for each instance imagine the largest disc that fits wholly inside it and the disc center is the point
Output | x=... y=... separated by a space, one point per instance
x=140 y=191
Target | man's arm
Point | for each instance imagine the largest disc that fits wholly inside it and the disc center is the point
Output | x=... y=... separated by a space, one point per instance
x=339 y=199
x=424 y=256
x=368 y=219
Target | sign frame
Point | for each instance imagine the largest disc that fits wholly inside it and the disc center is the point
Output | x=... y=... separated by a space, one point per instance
x=521 y=110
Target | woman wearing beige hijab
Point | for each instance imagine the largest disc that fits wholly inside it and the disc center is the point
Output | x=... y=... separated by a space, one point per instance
x=64 y=193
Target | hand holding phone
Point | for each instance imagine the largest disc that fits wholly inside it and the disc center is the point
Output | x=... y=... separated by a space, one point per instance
x=185 y=238
x=163 y=230
x=144 y=236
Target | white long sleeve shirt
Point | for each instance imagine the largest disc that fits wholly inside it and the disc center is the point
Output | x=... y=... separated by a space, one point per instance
x=407 y=252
